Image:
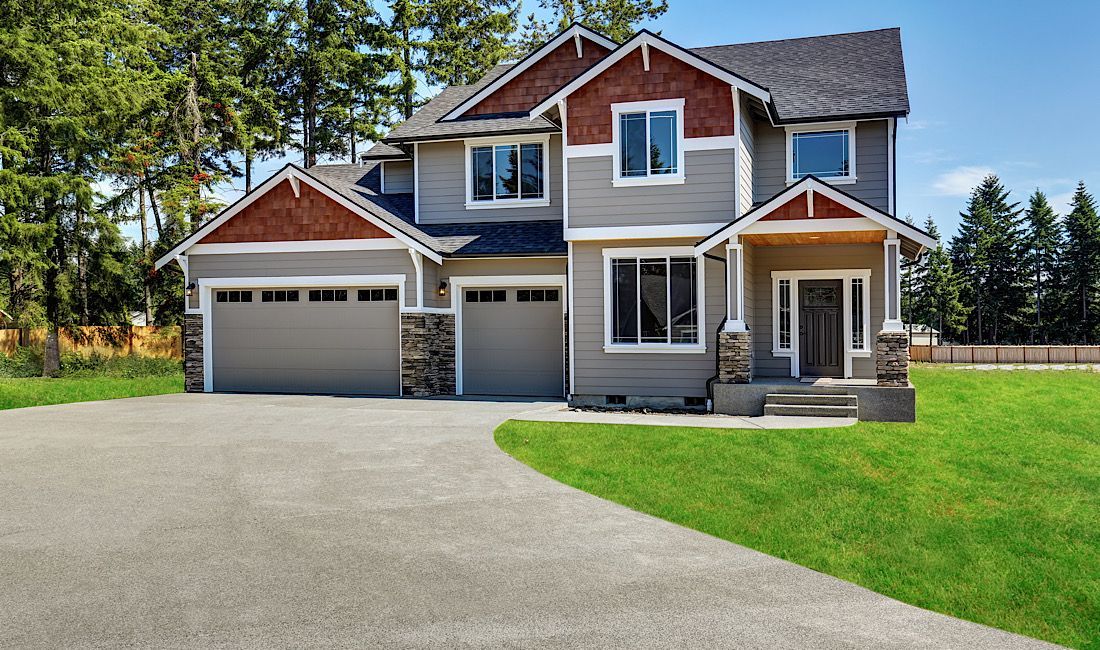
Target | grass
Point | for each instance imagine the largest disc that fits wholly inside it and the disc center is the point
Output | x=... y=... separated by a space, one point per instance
x=987 y=508
x=17 y=393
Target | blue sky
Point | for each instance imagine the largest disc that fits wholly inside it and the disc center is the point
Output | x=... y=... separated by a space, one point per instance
x=1007 y=87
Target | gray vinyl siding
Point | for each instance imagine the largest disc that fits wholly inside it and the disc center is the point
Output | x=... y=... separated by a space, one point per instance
x=749 y=254
x=747 y=146
x=643 y=375
x=766 y=259
x=398 y=176
x=872 y=163
x=442 y=169
x=706 y=196
x=248 y=265
x=483 y=266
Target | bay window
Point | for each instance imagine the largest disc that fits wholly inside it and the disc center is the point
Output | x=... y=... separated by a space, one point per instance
x=653 y=301
x=512 y=173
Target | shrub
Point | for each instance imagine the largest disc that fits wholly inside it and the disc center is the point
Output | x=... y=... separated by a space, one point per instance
x=27 y=362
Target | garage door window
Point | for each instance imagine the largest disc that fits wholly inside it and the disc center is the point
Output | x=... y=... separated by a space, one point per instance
x=537 y=295
x=328 y=295
x=377 y=295
x=234 y=296
x=279 y=296
x=487 y=295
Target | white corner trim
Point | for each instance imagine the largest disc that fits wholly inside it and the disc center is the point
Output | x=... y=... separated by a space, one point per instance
x=382 y=176
x=575 y=32
x=563 y=111
x=892 y=143
x=314 y=246
x=641 y=232
x=418 y=266
x=416 y=182
x=569 y=313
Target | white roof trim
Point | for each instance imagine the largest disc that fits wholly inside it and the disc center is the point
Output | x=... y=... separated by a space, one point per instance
x=814 y=185
x=650 y=39
x=295 y=176
x=573 y=32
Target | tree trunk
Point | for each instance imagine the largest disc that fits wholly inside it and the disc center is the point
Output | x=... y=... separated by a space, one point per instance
x=51 y=357
x=147 y=299
x=309 y=94
x=248 y=169
x=154 y=208
x=408 y=81
x=351 y=121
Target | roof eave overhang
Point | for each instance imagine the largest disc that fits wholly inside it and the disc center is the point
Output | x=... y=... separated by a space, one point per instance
x=549 y=128
x=292 y=173
x=811 y=119
x=651 y=40
x=888 y=222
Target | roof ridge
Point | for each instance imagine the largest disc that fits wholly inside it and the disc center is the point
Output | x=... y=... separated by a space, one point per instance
x=800 y=38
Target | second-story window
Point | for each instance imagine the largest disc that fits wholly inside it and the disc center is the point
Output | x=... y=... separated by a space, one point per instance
x=827 y=153
x=507 y=173
x=648 y=142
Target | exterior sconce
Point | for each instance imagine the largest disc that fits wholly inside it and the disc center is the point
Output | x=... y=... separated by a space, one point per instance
x=442 y=291
x=190 y=289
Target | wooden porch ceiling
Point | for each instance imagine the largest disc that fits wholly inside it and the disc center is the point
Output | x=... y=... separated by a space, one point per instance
x=811 y=238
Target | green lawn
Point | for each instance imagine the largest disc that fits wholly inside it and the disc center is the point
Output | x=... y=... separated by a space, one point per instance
x=988 y=508
x=17 y=393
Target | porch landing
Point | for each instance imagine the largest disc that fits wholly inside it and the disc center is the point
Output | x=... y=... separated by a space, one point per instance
x=874 y=403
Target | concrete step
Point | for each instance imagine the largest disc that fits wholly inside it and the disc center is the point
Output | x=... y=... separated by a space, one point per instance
x=810 y=399
x=811 y=410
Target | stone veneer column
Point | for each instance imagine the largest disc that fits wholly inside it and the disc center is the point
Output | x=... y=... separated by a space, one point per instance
x=427 y=354
x=892 y=358
x=734 y=357
x=192 y=353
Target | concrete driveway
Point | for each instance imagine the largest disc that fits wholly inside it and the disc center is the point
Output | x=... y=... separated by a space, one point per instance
x=198 y=520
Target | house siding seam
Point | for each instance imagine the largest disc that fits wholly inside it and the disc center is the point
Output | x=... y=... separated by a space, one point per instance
x=280 y=216
x=708 y=109
x=545 y=76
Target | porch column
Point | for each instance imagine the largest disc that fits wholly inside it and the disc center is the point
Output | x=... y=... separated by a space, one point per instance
x=892 y=285
x=735 y=281
x=735 y=340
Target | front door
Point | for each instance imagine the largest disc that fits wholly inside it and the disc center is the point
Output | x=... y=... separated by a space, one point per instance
x=819 y=328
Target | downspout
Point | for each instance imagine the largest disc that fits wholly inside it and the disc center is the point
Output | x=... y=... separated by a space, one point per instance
x=712 y=380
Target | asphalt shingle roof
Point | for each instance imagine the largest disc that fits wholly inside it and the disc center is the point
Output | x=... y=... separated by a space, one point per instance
x=821 y=77
x=383 y=151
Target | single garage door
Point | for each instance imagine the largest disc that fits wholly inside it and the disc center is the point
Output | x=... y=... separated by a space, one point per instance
x=316 y=340
x=512 y=341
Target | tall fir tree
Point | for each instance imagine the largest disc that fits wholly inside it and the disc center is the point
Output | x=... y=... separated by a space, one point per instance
x=1081 y=268
x=1044 y=243
x=943 y=308
x=616 y=19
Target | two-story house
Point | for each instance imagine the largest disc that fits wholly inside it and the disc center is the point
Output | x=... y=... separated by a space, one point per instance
x=616 y=223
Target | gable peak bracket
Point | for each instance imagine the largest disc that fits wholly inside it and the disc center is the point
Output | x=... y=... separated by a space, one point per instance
x=810 y=202
x=577 y=41
x=645 y=55
x=294 y=185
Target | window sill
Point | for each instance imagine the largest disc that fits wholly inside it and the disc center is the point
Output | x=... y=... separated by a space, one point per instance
x=519 y=203
x=782 y=353
x=654 y=348
x=847 y=180
x=648 y=180
x=863 y=354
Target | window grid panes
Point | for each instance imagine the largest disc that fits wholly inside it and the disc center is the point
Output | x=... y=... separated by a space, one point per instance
x=507 y=172
x=648 y=144
x=376 y=295
x=859 y=335
x=784 y=299
x=487 y=295
x=280 y=295
x=233 y=296
x=824 y=154
x=654 y=301
x=328 y=295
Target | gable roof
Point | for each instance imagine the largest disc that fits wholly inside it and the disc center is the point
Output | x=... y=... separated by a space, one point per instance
x=574 y=31
x=646 y=39
x=859 y=74
x=383 y=151
x=920 y=238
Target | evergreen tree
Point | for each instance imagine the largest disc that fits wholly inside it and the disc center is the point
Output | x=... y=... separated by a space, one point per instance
x=616 y=19
x=945 y=310
x=1044 y=242
x=1081 y=268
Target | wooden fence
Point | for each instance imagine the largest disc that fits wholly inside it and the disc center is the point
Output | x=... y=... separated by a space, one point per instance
x=1005 y=353
x=164 y=342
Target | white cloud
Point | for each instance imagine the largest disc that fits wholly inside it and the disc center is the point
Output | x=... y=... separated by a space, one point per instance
x=959 y=181
x=1060 y=202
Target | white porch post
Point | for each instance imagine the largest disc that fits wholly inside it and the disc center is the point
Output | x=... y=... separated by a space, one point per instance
x=735 y=281
x=892 y=284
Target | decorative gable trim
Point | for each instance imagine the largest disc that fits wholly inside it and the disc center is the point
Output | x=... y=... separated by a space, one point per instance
x=646 y=39
x=575 y=32
x=295 y=176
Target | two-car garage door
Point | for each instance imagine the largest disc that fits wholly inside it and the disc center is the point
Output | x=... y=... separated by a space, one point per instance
x=308 y=340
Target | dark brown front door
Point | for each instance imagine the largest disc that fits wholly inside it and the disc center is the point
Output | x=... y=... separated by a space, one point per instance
x=819 y=328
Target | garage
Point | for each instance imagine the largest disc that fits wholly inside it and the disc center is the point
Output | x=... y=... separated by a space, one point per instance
x=343 y=340
x=512 y=341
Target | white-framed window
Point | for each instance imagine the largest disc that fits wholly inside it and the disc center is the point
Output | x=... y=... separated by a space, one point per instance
x=653 y=300
x=826 y=151
x=783 y=340
x=648 y=142
x=507 y=173
x=859 y=316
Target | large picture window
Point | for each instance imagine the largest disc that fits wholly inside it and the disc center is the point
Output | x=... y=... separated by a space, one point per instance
x=654 y=301
x=828 y=154
x=507 y=173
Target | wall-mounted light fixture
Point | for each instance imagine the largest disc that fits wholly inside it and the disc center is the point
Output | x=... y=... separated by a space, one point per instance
x=190 y=289
x=442 y=291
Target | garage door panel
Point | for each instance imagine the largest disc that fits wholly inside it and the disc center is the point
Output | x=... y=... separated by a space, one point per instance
x=307 y=347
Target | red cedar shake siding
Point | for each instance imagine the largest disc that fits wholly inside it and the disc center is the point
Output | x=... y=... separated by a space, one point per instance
x=708 y=109
x=824 y=208
x=540 y=80
x=279 y=216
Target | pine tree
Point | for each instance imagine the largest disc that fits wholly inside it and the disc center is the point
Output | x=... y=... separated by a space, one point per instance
x=1081 y=268
x=946 y=311
x=616 y=19
x=1044 y=242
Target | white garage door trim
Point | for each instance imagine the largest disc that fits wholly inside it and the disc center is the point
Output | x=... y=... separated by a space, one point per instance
x=460 y=282
x=206 y=303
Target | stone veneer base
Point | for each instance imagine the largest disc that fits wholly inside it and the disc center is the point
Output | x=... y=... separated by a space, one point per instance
x=892 y=359
x=193 y=378
x=734 y=357
x=427 y=354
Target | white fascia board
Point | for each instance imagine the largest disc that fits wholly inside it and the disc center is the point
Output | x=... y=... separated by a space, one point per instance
x=654 y=41
x=300 y=175
x=575 y=31
x=306 y=281
x=315 y=246
x=787 y=226
x=641 y=232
